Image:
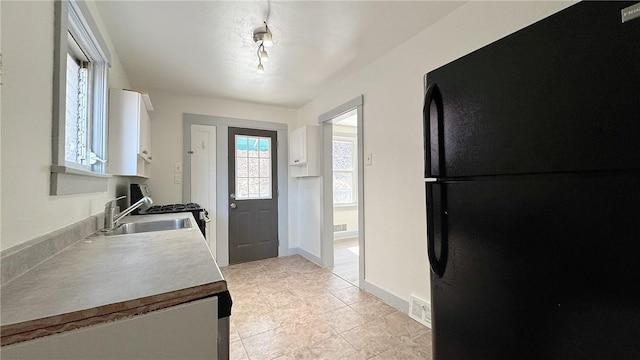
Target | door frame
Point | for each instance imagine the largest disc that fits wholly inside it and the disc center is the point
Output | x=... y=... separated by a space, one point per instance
x=210 y=234
x=253 y=205
x=222 y=125
x=325 y=120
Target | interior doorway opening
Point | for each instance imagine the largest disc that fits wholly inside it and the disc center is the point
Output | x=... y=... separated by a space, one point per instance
x=343 y=235
x=344 y=159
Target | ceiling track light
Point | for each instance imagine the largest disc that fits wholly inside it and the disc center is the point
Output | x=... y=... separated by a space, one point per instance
x=263 y=36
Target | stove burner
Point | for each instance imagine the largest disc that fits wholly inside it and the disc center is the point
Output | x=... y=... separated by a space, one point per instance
x=172 y=208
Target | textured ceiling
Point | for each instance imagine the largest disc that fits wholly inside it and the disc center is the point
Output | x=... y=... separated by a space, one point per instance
x=206 y=48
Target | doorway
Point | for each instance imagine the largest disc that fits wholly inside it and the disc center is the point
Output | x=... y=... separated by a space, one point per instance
x=344 y=158
x=222 y=125
x=343 y=192
x=203 y=176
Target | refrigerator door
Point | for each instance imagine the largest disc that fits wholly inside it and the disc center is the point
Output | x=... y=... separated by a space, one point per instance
x=543 y=267
x=561 y=95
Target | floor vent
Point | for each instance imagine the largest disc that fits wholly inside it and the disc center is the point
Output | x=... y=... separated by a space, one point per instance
x=339 y=227
x=420 y=311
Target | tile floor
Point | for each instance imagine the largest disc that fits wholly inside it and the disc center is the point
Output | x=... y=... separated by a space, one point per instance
x=290 y=308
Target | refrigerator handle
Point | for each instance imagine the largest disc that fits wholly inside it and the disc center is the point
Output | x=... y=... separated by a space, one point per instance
x=433 y=133
x=437 y=227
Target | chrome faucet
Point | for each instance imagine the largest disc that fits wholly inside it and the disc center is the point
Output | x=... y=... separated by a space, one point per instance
x=111 y=215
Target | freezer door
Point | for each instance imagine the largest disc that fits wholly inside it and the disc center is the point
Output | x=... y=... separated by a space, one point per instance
x=542 y=268
x=560 y=95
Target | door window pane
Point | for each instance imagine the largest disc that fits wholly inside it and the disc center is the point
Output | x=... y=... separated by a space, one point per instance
x=253 y=168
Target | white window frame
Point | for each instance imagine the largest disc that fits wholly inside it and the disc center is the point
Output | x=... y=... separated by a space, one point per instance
x=240 y=197
x=354 y=170
x=73 y=21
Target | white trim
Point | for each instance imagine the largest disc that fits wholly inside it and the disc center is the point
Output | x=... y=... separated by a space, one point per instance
x=326 y=229
x=387 y=296
x=339 y=235
x=305 y=254
x=222 y=178
x=76 y=17
x=346 y=107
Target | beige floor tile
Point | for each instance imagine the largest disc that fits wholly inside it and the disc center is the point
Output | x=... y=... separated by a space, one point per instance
x=332 y=348
x=407 y=349
x=351 y=295
x=372 y=308
x=272 y=344
x=371 y=338
x=283 y=297
x=310 y=332
x=322 y=303
x=293 y=312
x=250 y=304
x=236 y=351
x=290 y=308
x=251 y=324
x=401 y=325
x=343 y=319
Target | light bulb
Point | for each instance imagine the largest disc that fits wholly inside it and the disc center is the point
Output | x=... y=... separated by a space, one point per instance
x=264 y=56
x=266 y=39
x=260 y=69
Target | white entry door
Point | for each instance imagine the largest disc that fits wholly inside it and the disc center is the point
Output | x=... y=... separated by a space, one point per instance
x=203 y=175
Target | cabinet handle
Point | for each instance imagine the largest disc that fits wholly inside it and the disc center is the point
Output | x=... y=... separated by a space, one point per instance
x=145 y=152
x=295 y=161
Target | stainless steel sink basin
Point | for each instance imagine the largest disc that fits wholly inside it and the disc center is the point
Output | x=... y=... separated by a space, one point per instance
x=150 y=226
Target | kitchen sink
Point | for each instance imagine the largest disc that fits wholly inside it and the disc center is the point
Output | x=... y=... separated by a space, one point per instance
x=150 y=226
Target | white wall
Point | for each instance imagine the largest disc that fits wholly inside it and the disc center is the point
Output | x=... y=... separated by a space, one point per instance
x=167 y=147
x=166 y=132
x=346 y=215
x=28 y=210
x=395 y=230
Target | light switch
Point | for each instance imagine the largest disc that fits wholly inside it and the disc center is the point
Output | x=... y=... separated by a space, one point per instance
x=177 y=167
x=177 y=179
x=369 y=159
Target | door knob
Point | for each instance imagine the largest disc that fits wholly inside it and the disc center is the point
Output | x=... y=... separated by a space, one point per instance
x=233 y=205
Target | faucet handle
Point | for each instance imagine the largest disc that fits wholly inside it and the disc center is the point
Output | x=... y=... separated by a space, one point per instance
x=111 y=202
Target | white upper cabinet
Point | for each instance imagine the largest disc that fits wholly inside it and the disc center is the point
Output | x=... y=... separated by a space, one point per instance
x=129 y=133
x=304 y=152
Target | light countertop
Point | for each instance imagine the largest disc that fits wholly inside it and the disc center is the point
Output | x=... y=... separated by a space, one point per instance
x=103 y=278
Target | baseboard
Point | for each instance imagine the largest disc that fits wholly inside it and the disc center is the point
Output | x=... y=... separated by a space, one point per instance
x=387 y=297
x=344 y=235
x=305 y=254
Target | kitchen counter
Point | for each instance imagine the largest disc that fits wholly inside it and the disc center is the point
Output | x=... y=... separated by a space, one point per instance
x=103 y=278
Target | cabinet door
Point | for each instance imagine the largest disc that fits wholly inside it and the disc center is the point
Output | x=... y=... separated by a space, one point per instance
x=187 y=331
x=298 y=150
x=144 y=148
x=145 y=133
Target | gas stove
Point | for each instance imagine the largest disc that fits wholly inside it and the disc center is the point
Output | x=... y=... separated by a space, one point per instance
x=171 y=208
x=200 y=214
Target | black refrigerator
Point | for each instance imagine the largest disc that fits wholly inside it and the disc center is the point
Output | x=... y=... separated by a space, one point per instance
x=532 y=175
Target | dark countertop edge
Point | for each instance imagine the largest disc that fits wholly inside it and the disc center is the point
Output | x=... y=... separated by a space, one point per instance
x=33 y=329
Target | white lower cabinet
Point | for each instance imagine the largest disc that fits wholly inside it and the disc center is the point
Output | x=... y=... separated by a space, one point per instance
x=187 y=331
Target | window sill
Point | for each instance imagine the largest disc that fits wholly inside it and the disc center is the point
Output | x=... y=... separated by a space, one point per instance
x=66 y=181
x=346 y=206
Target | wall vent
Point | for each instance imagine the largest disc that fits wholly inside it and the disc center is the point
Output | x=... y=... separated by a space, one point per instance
x=420 y=311
x=339 y=227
